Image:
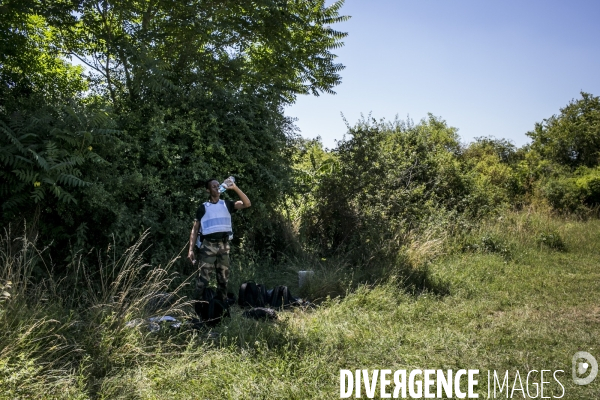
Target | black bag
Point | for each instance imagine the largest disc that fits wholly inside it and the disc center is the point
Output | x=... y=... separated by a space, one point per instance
x=211 y=309
x=260 y=313
x=281 y=297
x=251 y=295
x=231 y=300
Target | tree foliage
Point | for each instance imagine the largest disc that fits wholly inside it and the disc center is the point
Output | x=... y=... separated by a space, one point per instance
x=381 y=182
x=45 y=153
x=493 y=167
x=273 y=49
x=33 y=73
x=175 y=93
x=571 y=138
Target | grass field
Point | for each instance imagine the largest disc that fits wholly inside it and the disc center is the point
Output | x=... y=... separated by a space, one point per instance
x=520 y=294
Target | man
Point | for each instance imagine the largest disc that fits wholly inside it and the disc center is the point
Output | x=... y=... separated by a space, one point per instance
x=213 y=219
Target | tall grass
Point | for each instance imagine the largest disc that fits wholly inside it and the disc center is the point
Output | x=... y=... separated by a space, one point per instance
x=34 y=351
x=56 y=342
x=531 y=310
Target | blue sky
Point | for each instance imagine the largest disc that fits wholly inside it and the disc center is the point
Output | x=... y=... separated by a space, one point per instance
x=489 y=68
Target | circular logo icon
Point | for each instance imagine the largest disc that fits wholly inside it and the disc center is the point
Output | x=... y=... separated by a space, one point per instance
x=582 y=363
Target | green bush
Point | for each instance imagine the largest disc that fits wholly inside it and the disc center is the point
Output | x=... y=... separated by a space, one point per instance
x=387 y=174
x=589 y=184
x=490 y=244
x=564 y=195
x=490 y=164
x=573 y=192
x=571 y=138
x=552 y=240
x=388 y=181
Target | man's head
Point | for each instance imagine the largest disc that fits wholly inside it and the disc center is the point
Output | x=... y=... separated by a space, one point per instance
x=212 y=187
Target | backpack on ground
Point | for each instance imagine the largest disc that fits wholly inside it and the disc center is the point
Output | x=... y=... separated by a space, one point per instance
x=281 y=297
x=211 y=309
x=251 y=295
x=260 y=313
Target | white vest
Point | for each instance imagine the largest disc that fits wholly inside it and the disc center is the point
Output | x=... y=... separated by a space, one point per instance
x=216 y=218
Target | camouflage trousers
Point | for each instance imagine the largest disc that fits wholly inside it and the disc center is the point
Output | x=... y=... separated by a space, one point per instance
x=213 y=256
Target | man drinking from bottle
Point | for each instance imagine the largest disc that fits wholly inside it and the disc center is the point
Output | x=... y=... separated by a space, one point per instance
x=213 y=221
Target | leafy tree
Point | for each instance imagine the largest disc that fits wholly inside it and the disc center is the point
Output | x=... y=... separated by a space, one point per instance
x=45 y=153
x=571 y=138
x=191 y=90
x=391 y=176
x=274 y=49
x=491 y=165
x=46 y=132
x=198 y=90
x=503 y=149
x=32 y=71
x=163 y=159
x=312 y=167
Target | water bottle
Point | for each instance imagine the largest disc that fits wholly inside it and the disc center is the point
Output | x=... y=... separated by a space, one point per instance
x=223 y=186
